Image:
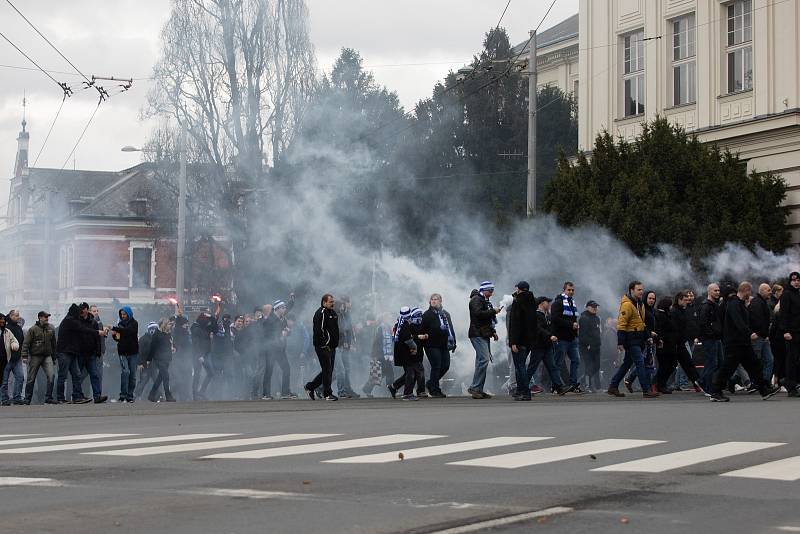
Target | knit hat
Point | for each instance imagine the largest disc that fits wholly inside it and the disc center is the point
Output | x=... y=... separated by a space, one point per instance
x=522 y=285
x=405 y=314
x=794 y=274
x=278 y=304
x=152 y=326
x=486 y=286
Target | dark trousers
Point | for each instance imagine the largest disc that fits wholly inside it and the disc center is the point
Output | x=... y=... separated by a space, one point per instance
x=734 y=357
x=68 y=364
x=439 y=358
x=413 y=373
x=546 y=356
x=523 y=379
x=326 y=358
x=590 y=356
x=91 y=366
x=162 y=378
x=286 y=370
x=668 y=359
x=791 y=365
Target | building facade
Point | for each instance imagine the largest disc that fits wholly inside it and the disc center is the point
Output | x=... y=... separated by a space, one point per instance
x=95 y=236
x=556 y=56
x=728 y=71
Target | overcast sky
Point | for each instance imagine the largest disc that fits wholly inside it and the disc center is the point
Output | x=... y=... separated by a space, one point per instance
x=121 y=38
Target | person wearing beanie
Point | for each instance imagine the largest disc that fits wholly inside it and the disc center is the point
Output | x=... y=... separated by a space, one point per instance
x=790 y=324
x=482 y=323
x=408 y=339
x=147 y=374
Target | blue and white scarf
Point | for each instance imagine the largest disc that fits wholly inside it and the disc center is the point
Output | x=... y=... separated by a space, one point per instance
x=405 y=313
x=444 y=324
x=415 y=317
x=569 y=307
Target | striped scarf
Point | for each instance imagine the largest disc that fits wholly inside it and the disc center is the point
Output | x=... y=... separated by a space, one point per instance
x=569 y=307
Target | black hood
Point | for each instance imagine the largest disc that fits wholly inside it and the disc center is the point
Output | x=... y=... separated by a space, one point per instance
x=74 y=311
x=527 y=297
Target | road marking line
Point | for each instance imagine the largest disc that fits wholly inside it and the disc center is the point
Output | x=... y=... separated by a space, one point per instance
x=787 y=469
x=221 y=444
x=20 y=481
x=515 y=460
x=788 y=529
x=252 y=494
x=5 y=436
x=494 y=523
x=114 y=443
x=77 y=437
x=676 y=460
x=323 y=447
x=436 y=450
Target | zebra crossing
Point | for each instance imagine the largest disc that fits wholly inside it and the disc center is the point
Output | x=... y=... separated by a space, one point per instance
x=486 y=453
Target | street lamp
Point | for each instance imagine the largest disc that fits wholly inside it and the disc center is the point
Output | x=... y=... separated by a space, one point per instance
x=179 y=268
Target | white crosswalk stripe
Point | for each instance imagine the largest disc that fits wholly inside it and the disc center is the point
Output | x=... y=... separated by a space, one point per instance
x=22 y=481
x=676 y=460
x=516 y=460
x=436 y=450
x=207 y=445
x=77 y=437
x=787 y=470
x=112 y=443
x=6 y=436
x=323 y=447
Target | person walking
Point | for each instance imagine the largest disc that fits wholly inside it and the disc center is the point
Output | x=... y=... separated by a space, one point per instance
x=39 y=349
x=522 y=331
x=482 y=323
x=14 y=367
x=632 y=337
x=160 y=354
x=710 y=319
x=565 y=327
x=760 y=319
x=325 y=337
x=89 y=360
x=8 y=343
x=737 y=337
x=673 y=335
x=438 y=324
x=790 y=324
x=126 y=334
x=408 y=353
x=590 y=339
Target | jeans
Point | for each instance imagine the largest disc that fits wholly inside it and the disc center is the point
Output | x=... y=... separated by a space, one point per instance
x=483 y=355
x=763 y=351
x=327 y=359
x=127 y=380
x=163 y=378
x=34 y=363
x=633 y=356
x=342 y=367
x=521 y=371
x=545 y=355
x=90 y=365
x=570 y=350
x=439 y=358
x=68 y=363
x=713 y=350
x=13 y=367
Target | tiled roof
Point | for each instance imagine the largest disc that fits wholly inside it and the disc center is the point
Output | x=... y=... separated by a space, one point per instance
x=564 y=30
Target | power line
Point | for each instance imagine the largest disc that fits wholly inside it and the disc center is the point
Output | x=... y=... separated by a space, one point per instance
x=47 y=137
x=497 y=27
x=80 y=137
x=63 y=86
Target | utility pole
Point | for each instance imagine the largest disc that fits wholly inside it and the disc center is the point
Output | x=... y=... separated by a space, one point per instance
x=532 y=80
x=46 y=253
x=181 y=247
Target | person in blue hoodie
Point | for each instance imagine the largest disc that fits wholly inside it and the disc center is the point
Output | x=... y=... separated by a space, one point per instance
x=126 y=334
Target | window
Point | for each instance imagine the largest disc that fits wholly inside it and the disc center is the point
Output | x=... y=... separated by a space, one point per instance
x=633 y=77
x=66 y=268
x=740 y=46
x=141 y=267
x=684 y=70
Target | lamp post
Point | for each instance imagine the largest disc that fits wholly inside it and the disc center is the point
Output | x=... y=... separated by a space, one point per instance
x=180 y=283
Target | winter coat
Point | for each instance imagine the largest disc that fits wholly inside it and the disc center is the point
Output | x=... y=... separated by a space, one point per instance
x=563 y=318
x=790 y=311
x=631 y=327
x=221 y=337
x=404 y=345
x=589 y=332
x=180 y=334
x=666 y=330
x=201 y=338
x=680 y=328
x=710 y=321
x=481 y=317
x=523 y=321
x=39 y=341
x=16 y=329
x=736 y=327
x=10 y=343
x=270 y=333
x=760 y=316
x=127 y=334
x=432 y=324
x=160 y=347
x=693 y=322
x=544 y=330
x=246 y=341
x=75 y=335
x=325 y=329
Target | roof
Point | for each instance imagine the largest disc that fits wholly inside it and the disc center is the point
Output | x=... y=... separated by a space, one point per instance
x=563 y=31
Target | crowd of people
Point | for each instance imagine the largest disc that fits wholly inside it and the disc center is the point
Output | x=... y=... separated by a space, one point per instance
x=734 y=339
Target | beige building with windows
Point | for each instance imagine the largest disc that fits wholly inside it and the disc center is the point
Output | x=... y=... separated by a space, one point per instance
x=728 y=71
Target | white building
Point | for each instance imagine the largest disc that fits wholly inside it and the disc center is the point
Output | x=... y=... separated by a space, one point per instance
x=728 y=71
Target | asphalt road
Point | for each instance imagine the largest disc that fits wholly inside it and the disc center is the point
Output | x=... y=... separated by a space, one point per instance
x=494 y=465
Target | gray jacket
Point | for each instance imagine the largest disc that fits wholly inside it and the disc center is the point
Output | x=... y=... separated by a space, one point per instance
x=39 y=341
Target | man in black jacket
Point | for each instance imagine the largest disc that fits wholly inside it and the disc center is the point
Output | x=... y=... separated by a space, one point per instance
x=737 y=337
x=482 y=321
x=325 y=339
x=126 y=334
x=75 y=337
x=201 y=347
x=760 y=319
x=589 y=342
x=438 y=324
x=710 y=321
x=90 y=362
x=565 y=328
x=542 y=349
x=790 y=324
x=522 y=333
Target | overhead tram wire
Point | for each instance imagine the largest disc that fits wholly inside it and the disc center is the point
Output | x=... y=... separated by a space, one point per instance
x=80 y=137
x=62 y=85
x=47 y=137
x=497 y=27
